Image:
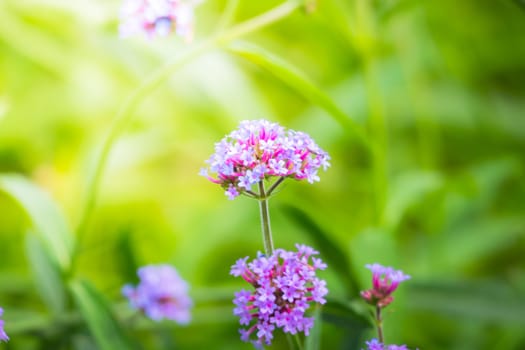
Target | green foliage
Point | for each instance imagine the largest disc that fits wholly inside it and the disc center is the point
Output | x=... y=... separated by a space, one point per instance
x=419 y=103
x=100 y=319
x=45 y=217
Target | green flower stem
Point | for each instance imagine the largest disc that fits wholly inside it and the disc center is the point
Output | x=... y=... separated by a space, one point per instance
x=265 y=220
x=274 y=186
x=157 y=77
x=379 y=325
x=294 y=342
x=366 y=43
x=298 y=341
x=228 y=14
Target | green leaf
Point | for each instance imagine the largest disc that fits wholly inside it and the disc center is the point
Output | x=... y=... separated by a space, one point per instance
x=472 y=241
x=100 y=320
x=330 y=251
x=46 y=218
x=409 y=190
x=46 y=274
x=490 y=302
x=346 y=314
x=313 y=341
x=297 y=80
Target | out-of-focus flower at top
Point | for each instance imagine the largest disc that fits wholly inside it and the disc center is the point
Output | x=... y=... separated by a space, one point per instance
x=3 y=335
x=161 y=293
x=157 y=18
x=261 y=150
x=385 y=281
x=284 y=285
x=375 y=344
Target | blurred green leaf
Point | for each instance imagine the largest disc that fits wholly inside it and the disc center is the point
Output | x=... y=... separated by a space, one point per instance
x=313 y=341
x=45 y=216
x=406 y=191
x=46 y=274
x=483 y=301
x=345 y=314
x=331 y=252
x=99 y=318
x=297 y=80
x=473 y=240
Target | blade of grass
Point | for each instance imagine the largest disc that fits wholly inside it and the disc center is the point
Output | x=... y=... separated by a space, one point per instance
x=297 y=80
x=45 y=216
x=46 y=274
x=100 y=320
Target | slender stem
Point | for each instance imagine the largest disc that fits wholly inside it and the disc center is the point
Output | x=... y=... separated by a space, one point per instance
x=265 y=220
x=379 y=324
x=298 y=341
x=274 y=186
x=124 y=114
x=228 y=14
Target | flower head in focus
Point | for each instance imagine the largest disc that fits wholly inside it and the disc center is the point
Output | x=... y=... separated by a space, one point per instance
x=157 y=18
x=260 y=150
x=161 y=293
x=374 y=344
x=284 y=285
x=385 y=281
x=3 y=335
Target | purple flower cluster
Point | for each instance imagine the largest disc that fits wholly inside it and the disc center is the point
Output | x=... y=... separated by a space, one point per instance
x=3 y=335
x=157 y=18
x=374 y=344
x=161 y=293
x=385 y=281
x=259 y=150
x=285 y=283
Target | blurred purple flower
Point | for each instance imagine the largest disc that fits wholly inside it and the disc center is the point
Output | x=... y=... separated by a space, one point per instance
x=259 y=150
x=385 y=281
x=374 y=344
x=157 y=18
x=285 y=285
x=3 y=335
x=161 y=293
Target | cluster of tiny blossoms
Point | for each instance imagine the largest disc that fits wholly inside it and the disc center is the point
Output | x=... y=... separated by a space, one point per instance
x=3 y=335
x=385 y=281
x=157 y=18
x=285 y=283
x=161 y=293
x=260 y=150
x=375 y=344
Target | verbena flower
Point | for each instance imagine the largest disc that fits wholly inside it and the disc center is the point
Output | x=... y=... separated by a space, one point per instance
x=161 y=293
x=374 y=344
x=385 y=281
x=284 y=286
x=157 y=18
x=260 y=150
x=3 y=335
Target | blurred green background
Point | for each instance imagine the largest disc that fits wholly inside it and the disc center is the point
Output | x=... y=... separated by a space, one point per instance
x=434 y=186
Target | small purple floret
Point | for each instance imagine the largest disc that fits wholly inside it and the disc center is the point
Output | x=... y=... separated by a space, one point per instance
x=285 y=285
x=3 y=335
x=385 y=281
x=374 y=344
x=260 y=150
x=161 y=294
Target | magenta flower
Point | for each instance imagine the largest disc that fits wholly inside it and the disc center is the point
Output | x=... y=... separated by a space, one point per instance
x=374 y=344
x=261 y=150
x=161 y=293
x=385 y=281
x=284 y=286
x=3 y=335
x=157 y=18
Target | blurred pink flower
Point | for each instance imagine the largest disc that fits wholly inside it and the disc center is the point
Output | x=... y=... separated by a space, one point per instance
x=157 y=18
